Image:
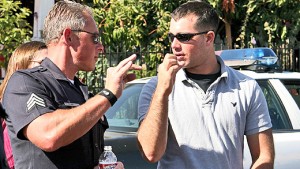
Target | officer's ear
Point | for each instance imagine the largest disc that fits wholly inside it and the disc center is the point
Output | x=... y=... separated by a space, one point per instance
x=67 y=36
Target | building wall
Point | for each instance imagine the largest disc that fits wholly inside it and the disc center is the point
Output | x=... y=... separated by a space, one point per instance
x=41 y=9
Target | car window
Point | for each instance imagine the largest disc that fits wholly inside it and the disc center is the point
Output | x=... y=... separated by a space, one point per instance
x=123 y=115
x=277 y=111
x=293 y=86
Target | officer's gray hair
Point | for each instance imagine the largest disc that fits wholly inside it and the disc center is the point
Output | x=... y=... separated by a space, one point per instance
x=64 y=14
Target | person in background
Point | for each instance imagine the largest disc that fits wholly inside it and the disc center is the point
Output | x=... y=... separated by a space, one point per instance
x=53 y=123
x=195 y=113
x=3 y=161
x=27 y=55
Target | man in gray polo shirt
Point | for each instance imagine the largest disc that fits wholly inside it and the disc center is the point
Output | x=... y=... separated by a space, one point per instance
x=196 y=112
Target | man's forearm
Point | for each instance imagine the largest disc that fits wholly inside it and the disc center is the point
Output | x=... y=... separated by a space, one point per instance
x=61 y=127
x=263 y=164
x=152 y=133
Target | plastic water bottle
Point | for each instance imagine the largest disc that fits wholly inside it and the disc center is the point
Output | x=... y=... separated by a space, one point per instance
x=108 y=159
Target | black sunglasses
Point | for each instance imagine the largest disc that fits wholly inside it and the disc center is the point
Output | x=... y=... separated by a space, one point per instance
x=95 y=36
x=184 y=37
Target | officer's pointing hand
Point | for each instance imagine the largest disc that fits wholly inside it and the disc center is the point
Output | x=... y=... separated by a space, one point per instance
x=117 y=76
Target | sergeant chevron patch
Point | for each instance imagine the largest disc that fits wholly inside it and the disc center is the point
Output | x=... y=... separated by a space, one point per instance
x=35 y=100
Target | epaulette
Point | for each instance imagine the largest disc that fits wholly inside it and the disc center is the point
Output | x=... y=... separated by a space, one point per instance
x=37 y=69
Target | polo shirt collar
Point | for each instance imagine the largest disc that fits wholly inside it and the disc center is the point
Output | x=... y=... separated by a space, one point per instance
x=224 y=68
x=181 y=75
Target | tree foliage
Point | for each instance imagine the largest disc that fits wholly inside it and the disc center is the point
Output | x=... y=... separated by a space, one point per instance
x=13 y=25
x=271 y=21
x=129 y=24
x=227 y=11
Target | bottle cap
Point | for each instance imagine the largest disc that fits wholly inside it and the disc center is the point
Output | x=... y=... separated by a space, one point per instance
x=107 y=148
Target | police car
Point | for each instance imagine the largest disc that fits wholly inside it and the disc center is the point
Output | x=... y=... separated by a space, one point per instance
x=281 y=89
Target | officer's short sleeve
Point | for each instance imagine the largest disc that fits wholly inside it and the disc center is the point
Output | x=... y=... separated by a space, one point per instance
x=145 y=98
x=25 y=99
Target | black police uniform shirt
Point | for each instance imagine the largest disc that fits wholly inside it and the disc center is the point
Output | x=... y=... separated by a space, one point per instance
x=33 y=92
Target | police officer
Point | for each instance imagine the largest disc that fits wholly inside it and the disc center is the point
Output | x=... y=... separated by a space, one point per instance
x=52 y=121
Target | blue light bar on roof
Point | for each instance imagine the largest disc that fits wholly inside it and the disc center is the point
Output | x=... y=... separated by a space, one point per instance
x=248 y=56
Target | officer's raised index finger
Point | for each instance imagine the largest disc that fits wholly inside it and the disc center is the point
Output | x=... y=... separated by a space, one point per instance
x=125 y=61
x=125 y=68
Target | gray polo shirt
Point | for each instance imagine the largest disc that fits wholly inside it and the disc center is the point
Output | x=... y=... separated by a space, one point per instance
x=206 y=130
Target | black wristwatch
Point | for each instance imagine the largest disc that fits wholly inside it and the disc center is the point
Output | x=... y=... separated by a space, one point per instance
x=109 y=95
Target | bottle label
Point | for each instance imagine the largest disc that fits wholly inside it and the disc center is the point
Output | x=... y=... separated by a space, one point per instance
x=107 y=165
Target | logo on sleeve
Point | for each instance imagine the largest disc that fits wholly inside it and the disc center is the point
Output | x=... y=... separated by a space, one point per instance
x=35 y=100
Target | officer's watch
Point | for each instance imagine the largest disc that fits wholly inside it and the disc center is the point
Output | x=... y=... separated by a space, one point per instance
x=109 y=95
